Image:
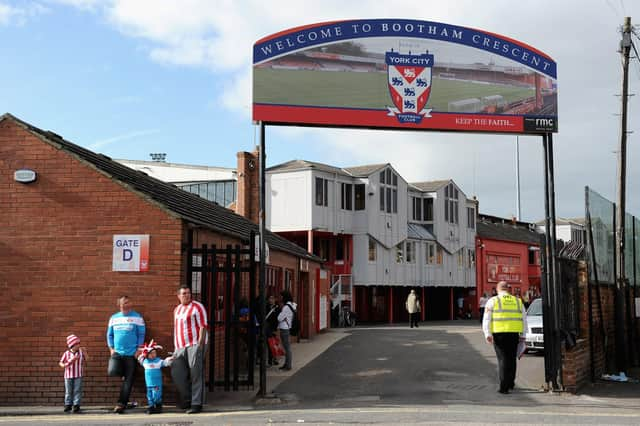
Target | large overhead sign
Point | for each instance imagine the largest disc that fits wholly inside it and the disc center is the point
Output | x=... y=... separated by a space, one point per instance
x=398 y=73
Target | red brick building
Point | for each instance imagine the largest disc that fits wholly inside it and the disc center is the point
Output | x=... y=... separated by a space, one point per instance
x=56 y=248
x=507 y=250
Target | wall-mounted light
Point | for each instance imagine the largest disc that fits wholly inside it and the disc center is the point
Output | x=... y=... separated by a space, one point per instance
x=24 y=176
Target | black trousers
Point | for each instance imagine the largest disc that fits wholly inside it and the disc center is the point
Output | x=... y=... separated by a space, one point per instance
x=413 y=319
x=123 y=366
x=506 y=347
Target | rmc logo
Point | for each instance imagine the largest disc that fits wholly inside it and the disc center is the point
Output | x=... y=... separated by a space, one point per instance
x=544 y=122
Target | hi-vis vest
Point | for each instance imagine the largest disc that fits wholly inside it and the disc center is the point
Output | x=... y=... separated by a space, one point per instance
x=506 y=316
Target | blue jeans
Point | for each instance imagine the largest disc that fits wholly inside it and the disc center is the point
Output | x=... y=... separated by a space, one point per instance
x=286 y=345
x=73 y=391
x=154 y=396
x=123 y=366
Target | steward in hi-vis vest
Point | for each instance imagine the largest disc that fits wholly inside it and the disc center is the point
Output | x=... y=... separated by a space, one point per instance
x=506 y=314
x=503 y=324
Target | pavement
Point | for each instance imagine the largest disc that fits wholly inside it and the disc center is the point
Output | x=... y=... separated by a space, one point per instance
x=304 y=352
x=604 y=394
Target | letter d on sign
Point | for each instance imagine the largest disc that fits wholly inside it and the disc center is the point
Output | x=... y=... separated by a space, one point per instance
x=127 y=254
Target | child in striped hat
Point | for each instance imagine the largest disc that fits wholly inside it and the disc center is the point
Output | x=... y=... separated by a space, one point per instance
x=73 y=361
x=153 y=375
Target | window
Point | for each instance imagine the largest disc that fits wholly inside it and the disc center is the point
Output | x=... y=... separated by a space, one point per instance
x=400 y=253
x=395 y=200
x=411 y=249
x=532 y=257
x=461 y=257
x=360 y=196
x=322 y=192
x=388 y=192
x=428 y=209
x=339 y=249
x=439 y=255
x=451 y=204
x=471 y=217
x=321 y=248
x=430 y=253
x=347 y=196
x=471 y=258
x=372 y=250
x=221 y=192
x=389 y=200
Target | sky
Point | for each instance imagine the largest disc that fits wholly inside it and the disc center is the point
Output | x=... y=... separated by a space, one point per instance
x=130 y=77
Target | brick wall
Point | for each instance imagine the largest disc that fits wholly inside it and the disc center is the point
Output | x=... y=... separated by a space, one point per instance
x=576 y=367
x=55 y=269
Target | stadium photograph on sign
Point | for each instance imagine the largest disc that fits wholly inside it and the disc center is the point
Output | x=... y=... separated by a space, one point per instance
x=403 y=74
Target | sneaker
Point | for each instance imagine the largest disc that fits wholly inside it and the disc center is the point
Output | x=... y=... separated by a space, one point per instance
x=195 y=409
x=118 y=409
x=76 y=408
x=67 y=408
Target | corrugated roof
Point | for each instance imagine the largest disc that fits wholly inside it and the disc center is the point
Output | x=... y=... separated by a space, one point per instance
x=417 y=231
x=430 y=186
x=507 y=232
x=366 y=170
x=303 y=165
x=183 y=204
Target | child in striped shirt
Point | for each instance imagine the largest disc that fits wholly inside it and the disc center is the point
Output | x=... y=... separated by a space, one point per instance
x=73 y=363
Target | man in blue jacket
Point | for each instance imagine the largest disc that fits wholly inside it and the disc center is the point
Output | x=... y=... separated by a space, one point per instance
x=125 y=335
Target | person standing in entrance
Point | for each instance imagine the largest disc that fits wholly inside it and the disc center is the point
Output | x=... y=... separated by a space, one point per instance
x=285 y=319
x=413 y=308
x=190 y=334
x=503 y=325
x=482 y=303
x=125 y=335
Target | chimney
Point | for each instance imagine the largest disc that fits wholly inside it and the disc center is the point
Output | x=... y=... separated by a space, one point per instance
x=248 y=203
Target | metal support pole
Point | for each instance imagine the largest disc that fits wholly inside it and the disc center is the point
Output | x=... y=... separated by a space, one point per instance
x=263 y=347
x=619 y=302
x=519 y=212
x=550 y=320
x=558 y=303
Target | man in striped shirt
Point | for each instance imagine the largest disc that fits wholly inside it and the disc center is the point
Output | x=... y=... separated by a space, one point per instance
x=190 y=334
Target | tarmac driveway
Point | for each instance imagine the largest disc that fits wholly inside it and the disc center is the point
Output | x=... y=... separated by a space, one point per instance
x=438 y=363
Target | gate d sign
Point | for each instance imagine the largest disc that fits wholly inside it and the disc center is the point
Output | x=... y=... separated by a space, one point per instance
x=131 y=253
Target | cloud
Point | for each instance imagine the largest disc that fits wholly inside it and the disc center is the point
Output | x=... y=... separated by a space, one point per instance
x=18 y=16
x=131 y=135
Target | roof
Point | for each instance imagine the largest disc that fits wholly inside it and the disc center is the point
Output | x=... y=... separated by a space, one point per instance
x=430 y=186
x=564 y=221
x=358 y=171
x=507 y=231
x=182 y=204
x=304 y=164
x=365 y=170
x=180 y=173
x=416 y=231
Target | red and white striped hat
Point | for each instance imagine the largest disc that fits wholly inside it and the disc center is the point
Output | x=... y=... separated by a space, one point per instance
x=72 y=340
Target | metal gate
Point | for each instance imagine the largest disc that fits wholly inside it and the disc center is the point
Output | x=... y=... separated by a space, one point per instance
x=226 y=278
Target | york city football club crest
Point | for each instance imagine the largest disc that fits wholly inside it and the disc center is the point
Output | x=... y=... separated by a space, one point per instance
x=409 y=85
